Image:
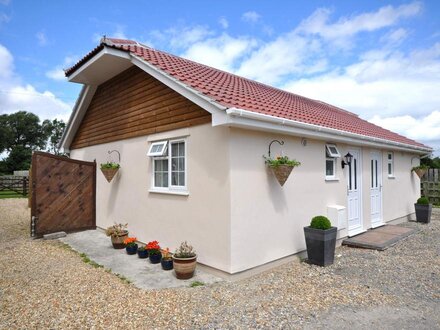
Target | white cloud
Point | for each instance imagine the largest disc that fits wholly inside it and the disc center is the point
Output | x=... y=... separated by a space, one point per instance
x=182 y=36
x=386 y=82
x=41 y=38
x=16 y=95
x=221 y=52
x=57 y=73
x=395 y=37
x=5 y=2
x=4 y=18
x=386 y=16
x=223 y=22
x=422 y=128
x=251 y=17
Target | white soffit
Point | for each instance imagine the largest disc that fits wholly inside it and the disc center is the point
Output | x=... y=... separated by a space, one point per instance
x=103 y=66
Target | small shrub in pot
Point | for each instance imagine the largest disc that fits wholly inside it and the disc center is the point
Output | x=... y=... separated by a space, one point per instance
x=167 y=259
x=130 y=245
x=423 y=210
x=320 y=239
x=118 y=233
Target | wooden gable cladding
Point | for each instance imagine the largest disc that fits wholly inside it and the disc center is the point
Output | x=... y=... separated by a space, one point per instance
x=135 y=104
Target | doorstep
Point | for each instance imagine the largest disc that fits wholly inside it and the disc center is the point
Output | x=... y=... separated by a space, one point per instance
x=97 y=246
x=380 y=238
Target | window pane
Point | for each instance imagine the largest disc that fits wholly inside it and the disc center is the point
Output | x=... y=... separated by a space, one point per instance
x=329 y=167
x=390 y=169
x=174 y=179
x=174 y=164
x=390 y=156
x=181 y=164
x=181 y=178
x=174 y=149
x=181 y=149
x=161 y=172
x=372 y=175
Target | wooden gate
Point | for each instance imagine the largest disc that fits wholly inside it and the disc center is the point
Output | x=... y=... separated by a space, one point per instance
x=63 y=194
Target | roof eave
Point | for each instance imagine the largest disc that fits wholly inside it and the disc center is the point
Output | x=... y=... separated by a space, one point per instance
x=248 y=119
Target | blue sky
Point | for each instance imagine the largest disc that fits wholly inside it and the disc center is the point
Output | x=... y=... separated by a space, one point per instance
x=380 y=59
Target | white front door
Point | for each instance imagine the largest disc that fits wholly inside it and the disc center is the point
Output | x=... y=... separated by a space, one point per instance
x=376 y=189
x=354 y=188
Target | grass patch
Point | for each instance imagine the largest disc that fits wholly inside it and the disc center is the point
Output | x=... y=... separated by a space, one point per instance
x=123 y=278
x=87 y=260
x=196 y=284
x=10 y=194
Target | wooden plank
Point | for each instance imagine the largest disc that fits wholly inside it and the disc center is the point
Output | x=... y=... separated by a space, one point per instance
x=134 y=104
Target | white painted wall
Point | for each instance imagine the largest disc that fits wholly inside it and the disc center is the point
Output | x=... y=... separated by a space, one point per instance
x=267 y=220
x=237 y=215
x=202 y=218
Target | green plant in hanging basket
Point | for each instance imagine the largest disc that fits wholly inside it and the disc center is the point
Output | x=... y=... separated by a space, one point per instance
x=109 y=170
x=281 y=167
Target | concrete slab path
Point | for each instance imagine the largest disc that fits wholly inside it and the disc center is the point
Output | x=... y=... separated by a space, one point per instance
x=97 y=246
x=380 y=238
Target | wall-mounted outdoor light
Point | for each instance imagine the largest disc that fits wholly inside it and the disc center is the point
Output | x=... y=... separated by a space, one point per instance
x=348 y=157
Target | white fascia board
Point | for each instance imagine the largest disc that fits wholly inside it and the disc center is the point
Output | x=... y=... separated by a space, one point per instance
x=249 y=119
x=78 y=112
x=210 y=105
x=104 y=51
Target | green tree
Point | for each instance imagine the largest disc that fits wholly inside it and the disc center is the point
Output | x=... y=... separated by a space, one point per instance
x=53 y=131
x=21 y=133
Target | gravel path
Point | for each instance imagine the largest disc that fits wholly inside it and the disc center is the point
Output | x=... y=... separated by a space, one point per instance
x=44 y=285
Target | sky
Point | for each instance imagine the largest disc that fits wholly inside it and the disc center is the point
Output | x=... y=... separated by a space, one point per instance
x=379 y=59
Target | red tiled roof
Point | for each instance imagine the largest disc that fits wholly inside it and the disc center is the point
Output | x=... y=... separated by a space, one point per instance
x=233 y=91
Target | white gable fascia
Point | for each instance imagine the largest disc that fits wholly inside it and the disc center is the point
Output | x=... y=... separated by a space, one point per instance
x=248 y=119
x=97 y=57
x=78 y=112
x=217 y=110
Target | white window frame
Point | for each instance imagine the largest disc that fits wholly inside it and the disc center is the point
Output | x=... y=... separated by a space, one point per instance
x=331 y=156
x=390 y=162
x=171 y=189
x=162 y=151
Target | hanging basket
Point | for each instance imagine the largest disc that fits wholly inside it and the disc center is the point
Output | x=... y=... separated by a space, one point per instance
x=109 y=173
x=281 y=172
x=420 y=172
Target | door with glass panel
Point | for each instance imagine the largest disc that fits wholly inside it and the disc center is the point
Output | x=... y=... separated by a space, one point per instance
x=376 y=189
x=354 y=192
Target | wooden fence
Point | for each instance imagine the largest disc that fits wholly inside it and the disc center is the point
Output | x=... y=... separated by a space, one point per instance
x=17 y=184
x=430 y=185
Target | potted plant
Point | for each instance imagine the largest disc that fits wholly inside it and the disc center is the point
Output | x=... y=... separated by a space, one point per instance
x=420 y=170
x=423 y=210
x=281 y=167
x=130 y=245
x=320 y=241
x=142 y=252
x=118 y=233
x=154 y=253
x=184 y=261
x=109 y=170
x=167 y=259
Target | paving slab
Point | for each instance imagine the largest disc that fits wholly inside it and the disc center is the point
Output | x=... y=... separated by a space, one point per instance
x=97 y=246
x=380 y=238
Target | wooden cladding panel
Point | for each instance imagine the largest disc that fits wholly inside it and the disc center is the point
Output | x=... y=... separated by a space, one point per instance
x=135 y=104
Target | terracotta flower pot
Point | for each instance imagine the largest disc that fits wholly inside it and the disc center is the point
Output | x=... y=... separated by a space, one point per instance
x=184 y=267
x=118 y=241
x=281 y=172
x=109 y=173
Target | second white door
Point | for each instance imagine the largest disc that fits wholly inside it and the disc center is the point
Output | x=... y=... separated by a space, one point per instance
x=376 y=189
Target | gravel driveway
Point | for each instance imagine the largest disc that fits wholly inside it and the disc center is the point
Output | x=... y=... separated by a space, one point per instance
x=44 y=285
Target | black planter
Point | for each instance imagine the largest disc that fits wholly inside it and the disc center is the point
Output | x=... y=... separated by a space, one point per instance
x=423 y=212
x=142 y=254
x=155 y=258
x=167 y=264
x=131 y=249
x=320 y=245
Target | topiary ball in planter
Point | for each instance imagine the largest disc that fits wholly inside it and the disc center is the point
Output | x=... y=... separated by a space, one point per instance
x=320 y=239
x=423 y=210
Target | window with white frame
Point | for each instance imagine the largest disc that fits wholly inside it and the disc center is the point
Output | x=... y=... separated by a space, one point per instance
x=331 y=153
x=169 y=164
x=390 y=164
